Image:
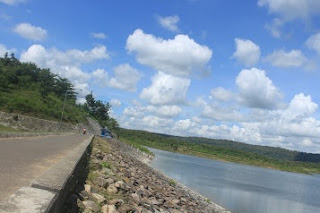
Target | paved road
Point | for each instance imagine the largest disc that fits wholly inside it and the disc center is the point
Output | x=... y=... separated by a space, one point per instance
x=23 y=159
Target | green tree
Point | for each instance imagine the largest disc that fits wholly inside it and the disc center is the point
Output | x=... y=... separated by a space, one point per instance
x=98 y=109
x=112 y=124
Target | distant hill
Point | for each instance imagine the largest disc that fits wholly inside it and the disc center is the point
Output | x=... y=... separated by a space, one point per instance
x=264 y=156
x=267 y=151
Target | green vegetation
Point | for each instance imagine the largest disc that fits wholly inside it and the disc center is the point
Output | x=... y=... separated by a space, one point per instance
x=29 y=90
x=262 y=156
x=172 y=182
x=137 y=146
x=106 y=165
x=100 y=111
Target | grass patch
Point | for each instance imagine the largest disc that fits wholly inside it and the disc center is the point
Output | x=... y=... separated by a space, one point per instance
x=92 y=176
x=106 y=165
x=137 y=146
x=172 y=182
x=31 y=103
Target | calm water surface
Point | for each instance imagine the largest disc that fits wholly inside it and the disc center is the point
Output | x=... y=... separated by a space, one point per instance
x=240 y=188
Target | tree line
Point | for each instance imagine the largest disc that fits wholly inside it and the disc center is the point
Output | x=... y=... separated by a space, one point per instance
x=27 y=89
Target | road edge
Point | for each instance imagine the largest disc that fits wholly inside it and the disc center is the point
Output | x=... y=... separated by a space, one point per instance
x=48 y=192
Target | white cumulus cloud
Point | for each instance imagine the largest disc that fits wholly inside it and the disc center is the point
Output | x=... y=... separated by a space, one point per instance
x=101 y=77
x=82 y=89
x=221 y=94
x=125 y=78
x=149 y=123
x=98 y=35
x=289 y=10
x=300 y=106
x=280 y=58
x=115 y=102
x=136 y=112
x=66 y=64
x=313 y=42
x=12 y=2
x=169 y=22
x=183 y=125
x=246 y=52
x=164 y=111
x=86 y=56
x=4 y=50
x=257 y=90
x=53 y=58
x=166 y=90
x=221 y=113
x=180 y=56
x=30 y=32
x=291 y=127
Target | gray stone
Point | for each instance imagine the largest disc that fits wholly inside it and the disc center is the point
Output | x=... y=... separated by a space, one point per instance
x=109 y=209
x=98 y=198
x=109 y=181
x=112 y=189
x=119 y=184
x=116 y=202
x=90 y=205
x=87 y=188
x=100 y=181
x=154 y=201
x=125 y=208
x=175 y=201
x=135 y=197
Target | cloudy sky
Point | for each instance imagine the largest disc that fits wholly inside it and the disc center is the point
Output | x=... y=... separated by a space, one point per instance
x=241 y=70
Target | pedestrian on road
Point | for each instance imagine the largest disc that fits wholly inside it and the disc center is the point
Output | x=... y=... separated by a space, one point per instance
x=84 y=131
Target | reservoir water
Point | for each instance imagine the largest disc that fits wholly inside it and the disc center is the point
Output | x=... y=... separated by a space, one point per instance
x=241 y=188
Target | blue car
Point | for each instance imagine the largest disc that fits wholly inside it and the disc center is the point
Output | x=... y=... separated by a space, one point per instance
x=105 y=133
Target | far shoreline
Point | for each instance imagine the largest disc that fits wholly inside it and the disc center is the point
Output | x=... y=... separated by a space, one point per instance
x=212 y=157
x=222 y=150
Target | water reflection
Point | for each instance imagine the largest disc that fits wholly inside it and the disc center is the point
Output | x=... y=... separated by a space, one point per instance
x=242 y=188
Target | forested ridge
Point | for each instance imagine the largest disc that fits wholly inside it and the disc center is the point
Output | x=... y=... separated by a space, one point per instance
x=27 y=89
x=264 y=156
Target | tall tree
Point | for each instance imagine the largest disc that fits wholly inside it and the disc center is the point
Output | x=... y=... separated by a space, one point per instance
x=98 y=109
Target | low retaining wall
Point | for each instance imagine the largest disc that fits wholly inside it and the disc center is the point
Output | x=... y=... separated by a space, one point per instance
x=47 y=192
x=29 y=134
x=34 y=124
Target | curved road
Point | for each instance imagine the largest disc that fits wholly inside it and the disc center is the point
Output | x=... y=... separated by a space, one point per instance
x=23 y=159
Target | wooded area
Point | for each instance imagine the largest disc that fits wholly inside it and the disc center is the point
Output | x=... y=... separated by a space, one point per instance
x=30 y=90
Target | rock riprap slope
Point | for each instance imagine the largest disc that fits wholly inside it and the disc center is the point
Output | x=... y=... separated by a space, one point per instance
x=119 y=182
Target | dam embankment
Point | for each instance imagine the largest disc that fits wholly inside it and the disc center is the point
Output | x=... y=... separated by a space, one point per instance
x=119 y=180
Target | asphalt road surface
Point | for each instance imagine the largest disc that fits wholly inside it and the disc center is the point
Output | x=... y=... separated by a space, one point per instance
x=23 y=159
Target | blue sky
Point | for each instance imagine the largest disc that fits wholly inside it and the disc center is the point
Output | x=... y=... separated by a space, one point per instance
x=220 y=69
